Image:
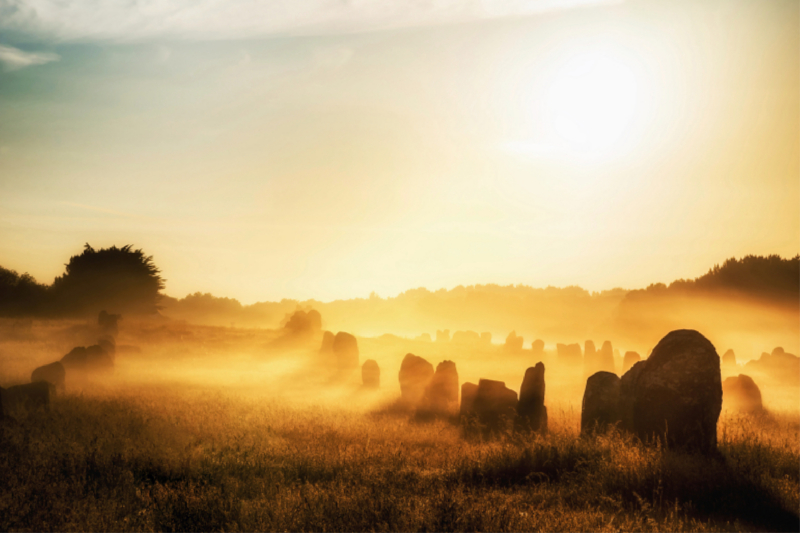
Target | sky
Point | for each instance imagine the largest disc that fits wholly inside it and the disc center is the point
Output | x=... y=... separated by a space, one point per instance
x=331 y=149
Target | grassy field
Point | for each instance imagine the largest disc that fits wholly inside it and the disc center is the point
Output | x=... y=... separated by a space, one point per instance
x=148 y=450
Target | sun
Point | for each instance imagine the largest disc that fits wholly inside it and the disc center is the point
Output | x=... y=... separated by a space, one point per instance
x=592 y=102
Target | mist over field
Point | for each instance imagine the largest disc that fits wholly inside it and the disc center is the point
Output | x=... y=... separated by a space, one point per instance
x=400 y=266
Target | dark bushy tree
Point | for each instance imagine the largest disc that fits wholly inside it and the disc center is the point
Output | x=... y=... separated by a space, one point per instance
x=20 y=295
x=120 y=280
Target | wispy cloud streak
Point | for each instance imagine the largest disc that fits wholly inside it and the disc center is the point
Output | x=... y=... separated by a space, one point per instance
x=14 y=59
x=220 y=19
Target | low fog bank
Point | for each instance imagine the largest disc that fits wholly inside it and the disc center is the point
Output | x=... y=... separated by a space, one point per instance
x=290 y=363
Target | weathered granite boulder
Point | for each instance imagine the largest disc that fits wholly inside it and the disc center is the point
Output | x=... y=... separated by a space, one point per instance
x=415 y=375
x=678 y=393
x=601 y=405
x=741 y=394
x=531 y=411
x=441 y=394
x=631 y=358
x=468 y=393
x=495 y=405
x=29 y=396
x=371 y=374
x=627 y=395
x=345 y=351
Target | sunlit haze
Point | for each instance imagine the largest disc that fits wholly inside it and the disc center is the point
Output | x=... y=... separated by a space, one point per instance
x=329 y=152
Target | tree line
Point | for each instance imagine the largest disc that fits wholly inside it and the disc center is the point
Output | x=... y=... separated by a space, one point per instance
x=120 y=280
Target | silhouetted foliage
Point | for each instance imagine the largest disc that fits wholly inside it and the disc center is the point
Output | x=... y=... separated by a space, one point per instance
x=20 y=294
x=770 y=277
x=118 y=279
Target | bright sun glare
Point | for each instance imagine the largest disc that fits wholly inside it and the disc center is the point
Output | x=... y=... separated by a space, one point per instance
x=592 y=102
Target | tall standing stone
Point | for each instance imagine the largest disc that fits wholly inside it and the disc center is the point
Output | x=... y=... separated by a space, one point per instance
x=531 y=411
x=537 y=347
x=605 y=358
x=678 y=393
x=327 y=342
x=601 y=405
x=415 y=375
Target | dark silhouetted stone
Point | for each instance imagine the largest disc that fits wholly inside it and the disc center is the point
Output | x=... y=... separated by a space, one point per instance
x=531 y=411
x=415 y=375
x=495 y=405
x=53 y=373
x=441 y=394
x=631 y=358
x=601 y=405
x=627 y=395
x=741 y=394
x=678 y=393
x=371 y=374
x=345 y=351
x=468 y=393
x=91 y=359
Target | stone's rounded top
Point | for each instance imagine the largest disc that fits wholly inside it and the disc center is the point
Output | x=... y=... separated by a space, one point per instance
x=370 y=364
x=602 y=377
x=681 y=343
x=411 y=360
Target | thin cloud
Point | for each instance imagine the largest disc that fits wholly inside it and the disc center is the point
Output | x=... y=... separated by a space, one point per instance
x=14 y=59
x=87 y=20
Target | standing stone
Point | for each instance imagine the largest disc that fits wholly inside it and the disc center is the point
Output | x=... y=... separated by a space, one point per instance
x=729 y=359
x=627 y=395
x=513 y=343
x=441 y=394
x=53 y=373
x=415 y=375
x=345 y=351
x=605 y=358
x=327 y=342
x=678 y=393
x=537 y=347
x=468 y=393
x=601 y=405
x=631 y=358
x=371 y=374
x=531 y=411
x=495 y=405
x=443 y=335
x=589 y=358
x=740 y=393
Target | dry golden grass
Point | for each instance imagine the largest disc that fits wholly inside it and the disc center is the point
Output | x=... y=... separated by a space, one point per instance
x=143 y=452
